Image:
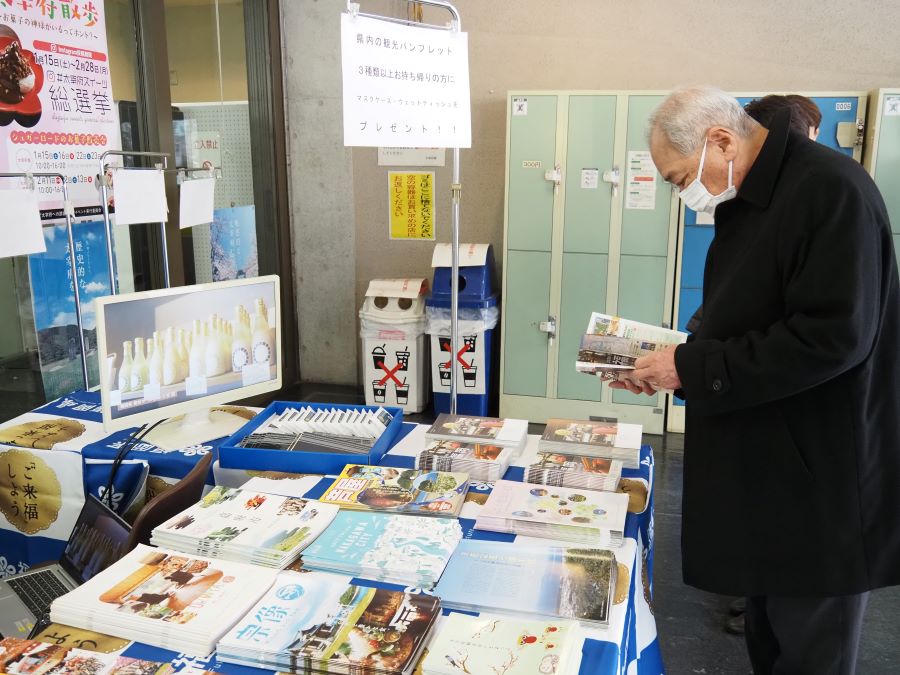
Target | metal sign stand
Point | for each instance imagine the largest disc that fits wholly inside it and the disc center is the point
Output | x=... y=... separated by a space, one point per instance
x=455 y=187
x=69 y=213
x=103 y=182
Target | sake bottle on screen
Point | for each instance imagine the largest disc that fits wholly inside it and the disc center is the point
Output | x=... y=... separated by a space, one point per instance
x=155 y=361
x=181 y=353
x=225 y=344
x=140 y=370
x=170 y=369
x=214 y=365
x=262 y=342
x=241 y=341
x=125 y=370
x=197 y=357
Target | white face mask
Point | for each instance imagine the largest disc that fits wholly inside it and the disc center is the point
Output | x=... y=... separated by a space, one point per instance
x=698 y=198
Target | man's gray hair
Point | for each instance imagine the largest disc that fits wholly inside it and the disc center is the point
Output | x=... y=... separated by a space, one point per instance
x=688 y=113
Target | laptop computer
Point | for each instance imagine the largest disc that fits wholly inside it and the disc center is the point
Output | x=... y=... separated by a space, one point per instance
x=98 y=540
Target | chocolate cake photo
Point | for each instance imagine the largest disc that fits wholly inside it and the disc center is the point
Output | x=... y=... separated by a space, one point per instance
x=16 y=76
x=20 y=81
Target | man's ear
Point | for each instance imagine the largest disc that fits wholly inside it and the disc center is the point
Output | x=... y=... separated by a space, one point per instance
x=723 y=140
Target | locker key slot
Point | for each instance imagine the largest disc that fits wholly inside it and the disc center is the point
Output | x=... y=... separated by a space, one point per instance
x=548 y=327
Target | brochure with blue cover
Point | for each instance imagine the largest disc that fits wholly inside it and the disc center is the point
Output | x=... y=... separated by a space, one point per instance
x=572 y=583
x=401 y=549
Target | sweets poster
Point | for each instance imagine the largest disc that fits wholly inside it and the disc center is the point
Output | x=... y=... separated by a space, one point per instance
x=56 y=101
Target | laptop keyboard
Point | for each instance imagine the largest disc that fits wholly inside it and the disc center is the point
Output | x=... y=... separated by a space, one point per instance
x=38 y=590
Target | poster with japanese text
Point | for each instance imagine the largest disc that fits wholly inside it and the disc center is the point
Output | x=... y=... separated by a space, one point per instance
x=53 y=297
x=56 y=101
x=233 y=243
x=411 y=204
x=404 y=86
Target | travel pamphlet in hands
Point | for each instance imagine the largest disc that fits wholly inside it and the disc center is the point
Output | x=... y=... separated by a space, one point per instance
x=406 y=550
x=31 y=657
x=507 y=433
x=380 y=488
x=571 y=583
x=586 y=517
x=594 y=438
x=166 y=599
x=611 y=345
x=574 y=471
x=247 y=526
x=317 y=622
x=488 y=645
x=481 y=461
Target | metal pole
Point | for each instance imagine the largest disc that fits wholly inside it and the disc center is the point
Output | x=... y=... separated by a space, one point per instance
x=104 y=198
x=455 y=193
x=68 y=213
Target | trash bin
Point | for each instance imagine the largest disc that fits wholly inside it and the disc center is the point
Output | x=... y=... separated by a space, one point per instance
x=392 y=328
x=477 y=316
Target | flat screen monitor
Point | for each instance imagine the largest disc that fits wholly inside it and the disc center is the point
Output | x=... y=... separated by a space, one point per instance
x=182 y=350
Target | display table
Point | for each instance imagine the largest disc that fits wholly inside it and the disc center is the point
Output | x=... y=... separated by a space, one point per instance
x=628 y=645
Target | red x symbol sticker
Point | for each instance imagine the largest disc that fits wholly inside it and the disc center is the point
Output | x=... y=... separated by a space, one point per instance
x=459 y=358
x=390 y=374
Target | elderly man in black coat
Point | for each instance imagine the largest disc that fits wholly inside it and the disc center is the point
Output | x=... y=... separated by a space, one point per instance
x=792 y=382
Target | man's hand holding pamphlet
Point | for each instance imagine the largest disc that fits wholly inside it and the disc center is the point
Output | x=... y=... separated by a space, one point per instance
x=630 y=354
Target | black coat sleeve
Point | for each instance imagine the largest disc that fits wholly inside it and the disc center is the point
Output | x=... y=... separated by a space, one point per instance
x=831 y=256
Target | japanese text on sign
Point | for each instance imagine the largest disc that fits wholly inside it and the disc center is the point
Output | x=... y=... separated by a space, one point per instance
x=411 y=204
x=404 y=86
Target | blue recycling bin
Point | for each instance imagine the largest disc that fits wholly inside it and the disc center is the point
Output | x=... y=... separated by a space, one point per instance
x=478 y=314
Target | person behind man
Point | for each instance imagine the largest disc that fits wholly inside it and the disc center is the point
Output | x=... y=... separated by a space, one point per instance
x=805 y=114
x=792 y=430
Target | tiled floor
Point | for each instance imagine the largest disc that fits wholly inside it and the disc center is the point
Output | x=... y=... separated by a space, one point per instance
x=690 y=621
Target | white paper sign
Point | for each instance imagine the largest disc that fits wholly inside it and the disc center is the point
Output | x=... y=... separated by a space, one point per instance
x=519 y=107
x=140 y=196
x=196 y=203
x=206 y=150
x=20 y=224
x=892 y=105
x=590 y=179
x=404 y=86
x=640 y=181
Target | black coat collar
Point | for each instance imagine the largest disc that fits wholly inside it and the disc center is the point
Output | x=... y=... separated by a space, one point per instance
x=759 y=183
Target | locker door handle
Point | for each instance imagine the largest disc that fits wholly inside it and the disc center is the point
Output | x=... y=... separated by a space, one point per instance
x=554 y=176
x=614 y=178
x=548 y=327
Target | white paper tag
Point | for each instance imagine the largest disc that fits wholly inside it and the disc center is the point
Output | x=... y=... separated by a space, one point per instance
x=253 y=373
x=115 y=397
x=151 y=392
x=195 y=386
x=590 y=179
x=519 y=107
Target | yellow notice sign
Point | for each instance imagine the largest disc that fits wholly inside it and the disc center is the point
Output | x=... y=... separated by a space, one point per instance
x=411 y=196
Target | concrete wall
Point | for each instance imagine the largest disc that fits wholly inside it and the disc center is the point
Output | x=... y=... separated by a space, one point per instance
x=531 y=44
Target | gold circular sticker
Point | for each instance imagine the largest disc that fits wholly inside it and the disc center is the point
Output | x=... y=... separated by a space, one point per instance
x=43 y=434
x=279 y=475
x=156 y=486
x=623 y=582
x=30 y=493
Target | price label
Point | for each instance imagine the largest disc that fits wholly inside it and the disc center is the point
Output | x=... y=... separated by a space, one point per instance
x=254 y=373
x=195 y=386
x=151 y=392
x=115 y=397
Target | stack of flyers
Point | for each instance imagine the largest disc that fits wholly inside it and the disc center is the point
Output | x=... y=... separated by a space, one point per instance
x=481 y=461
x=488 y=645
x=603 y=437
x=507 y=433
x=165 y=599
x=307 y=429
x=611 y=345
x=380 y=488
x=28 y=657
x=319 y=623
x=406 y=550
x=247 y=526
x=572 y=583
x=584 y=517
x=575 y=471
